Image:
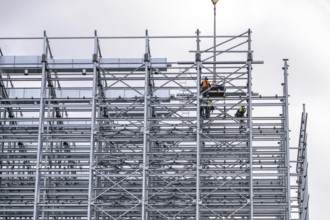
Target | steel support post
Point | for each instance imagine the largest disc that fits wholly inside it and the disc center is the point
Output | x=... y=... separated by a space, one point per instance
x=49 y=115
x=301 y=168
x=2 y=115
x=2 y=152
x=98 y=146
x=287 y=135
x=145 y=128
x=40 y=130
x=250 y=125
x=198 y=121
x=93 y=131
x=214 y=43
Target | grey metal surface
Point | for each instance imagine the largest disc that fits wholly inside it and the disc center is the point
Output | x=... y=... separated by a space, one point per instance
x=250 y=126
x=286 y=142
x=126 y=139
x=40 y=135
x=302 y=169
x=18 y=64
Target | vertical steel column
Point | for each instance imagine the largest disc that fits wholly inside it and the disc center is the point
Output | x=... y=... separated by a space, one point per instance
x=2 y=114
x=93 y=130
x=287 y=135
x=198 y=129
x=49 y=115
x=214 y=43
x=250 y=125
x=40 y=130
x=145 y=127
x=302 y=169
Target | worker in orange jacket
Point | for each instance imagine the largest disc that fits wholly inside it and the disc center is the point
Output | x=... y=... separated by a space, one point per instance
x=205 y=86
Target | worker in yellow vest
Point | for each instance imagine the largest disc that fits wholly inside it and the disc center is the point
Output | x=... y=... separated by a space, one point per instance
x=240 y=112
x=209 y=108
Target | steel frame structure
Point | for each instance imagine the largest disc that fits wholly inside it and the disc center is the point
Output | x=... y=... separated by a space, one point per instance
x=107 y=138
x=302 y=170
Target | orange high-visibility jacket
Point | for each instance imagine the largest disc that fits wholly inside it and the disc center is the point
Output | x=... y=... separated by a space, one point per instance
x=205 y=83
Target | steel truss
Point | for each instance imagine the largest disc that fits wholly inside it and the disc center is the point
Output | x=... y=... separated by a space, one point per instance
x=301 y=199
x=107 y=138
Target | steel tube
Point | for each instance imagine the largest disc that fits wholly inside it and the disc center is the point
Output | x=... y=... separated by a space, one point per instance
x=92 y=133
x=40 y=135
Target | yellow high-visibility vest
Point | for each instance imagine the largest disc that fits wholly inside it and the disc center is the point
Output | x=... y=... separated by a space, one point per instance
x=242 y=110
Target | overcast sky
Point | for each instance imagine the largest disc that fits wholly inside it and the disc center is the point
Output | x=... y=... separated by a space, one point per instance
x=294 y=29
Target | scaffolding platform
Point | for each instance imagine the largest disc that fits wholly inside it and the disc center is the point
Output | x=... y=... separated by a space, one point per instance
x=127 y=138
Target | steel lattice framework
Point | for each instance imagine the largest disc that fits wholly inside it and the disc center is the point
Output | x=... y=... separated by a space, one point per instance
x=110 y=138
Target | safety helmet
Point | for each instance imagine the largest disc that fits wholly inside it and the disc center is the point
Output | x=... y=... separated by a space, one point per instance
x=205 y=77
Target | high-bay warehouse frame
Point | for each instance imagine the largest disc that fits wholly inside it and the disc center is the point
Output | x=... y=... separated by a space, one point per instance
x=128 y=138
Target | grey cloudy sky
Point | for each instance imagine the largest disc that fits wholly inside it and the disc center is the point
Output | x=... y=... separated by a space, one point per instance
x=294 y=29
